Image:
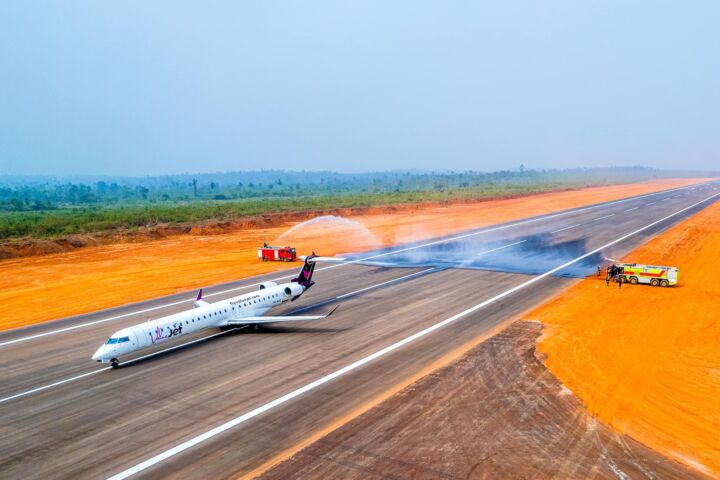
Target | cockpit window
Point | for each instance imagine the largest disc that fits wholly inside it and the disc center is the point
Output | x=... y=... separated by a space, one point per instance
x=112 y=341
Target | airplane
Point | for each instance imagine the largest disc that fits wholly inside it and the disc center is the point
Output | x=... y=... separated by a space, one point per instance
x=247 y=309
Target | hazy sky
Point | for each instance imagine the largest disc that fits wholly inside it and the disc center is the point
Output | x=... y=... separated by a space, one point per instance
x=151 y=87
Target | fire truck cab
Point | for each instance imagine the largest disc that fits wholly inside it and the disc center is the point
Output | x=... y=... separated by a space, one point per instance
x=654 y=275
x=276 y=254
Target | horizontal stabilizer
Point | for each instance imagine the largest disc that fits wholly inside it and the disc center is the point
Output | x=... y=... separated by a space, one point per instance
x=271 y=319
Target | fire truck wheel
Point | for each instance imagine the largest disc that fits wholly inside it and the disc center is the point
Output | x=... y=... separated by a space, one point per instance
x=633 y=280
x=264 y=258
x=664 y=283
x=622 y=279
x=654 y=282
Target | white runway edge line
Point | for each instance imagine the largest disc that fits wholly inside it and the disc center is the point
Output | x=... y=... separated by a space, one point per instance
x=87 y=374
x=175 y=347
x=449 y=239
x=128 y=362
x=421 y=272
x=327 y=378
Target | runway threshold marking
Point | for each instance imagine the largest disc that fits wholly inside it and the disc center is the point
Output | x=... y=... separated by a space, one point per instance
x=353 y=366
x=437 y=242
x=93 y=372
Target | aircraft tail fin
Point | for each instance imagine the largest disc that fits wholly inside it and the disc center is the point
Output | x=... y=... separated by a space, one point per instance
x=304 y=278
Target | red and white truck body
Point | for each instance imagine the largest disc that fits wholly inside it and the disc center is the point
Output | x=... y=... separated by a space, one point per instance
x=276 y=254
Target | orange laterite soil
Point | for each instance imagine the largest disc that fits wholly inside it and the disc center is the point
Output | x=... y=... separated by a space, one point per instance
x=37 y=289
x=646 y=360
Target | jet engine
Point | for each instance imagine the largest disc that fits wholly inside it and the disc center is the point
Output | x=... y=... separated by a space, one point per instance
x=294 y=290
x=265 y=285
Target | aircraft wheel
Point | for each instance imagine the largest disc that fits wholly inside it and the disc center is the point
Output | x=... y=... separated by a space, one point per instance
x=633 y=280
x=654 y=282
x=114 y=363
x=664 y=283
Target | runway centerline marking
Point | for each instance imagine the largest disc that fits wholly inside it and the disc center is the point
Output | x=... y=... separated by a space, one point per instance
x=445 y=240
x=45 y=387
x=348 y=368
x=651 y=203
x=566 y=228
x=600 y=218
x=174 y=347
x=93 y=372
x=415 y=274
x=631 y=209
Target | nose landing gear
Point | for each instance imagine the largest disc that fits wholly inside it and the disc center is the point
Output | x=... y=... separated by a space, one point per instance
x=114 y=363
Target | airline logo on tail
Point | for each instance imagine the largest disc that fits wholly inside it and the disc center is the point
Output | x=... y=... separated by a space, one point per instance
x=304 y=278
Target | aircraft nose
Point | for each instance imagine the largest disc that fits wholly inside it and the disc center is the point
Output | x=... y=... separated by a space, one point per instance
x=98 y=355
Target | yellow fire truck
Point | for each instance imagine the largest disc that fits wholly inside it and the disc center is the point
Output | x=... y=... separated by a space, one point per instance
x=635 y=273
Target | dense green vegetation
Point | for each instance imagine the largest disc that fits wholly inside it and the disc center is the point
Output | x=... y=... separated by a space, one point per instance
x=45 y=207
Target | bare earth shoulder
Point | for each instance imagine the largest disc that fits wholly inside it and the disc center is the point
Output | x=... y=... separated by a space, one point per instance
x=96 y=278
x=646 y=360
x=496 y=413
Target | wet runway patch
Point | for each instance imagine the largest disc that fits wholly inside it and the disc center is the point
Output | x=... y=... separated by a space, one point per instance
x=532 y=255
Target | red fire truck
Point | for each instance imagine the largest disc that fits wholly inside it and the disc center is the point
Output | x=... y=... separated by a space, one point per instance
x=276 y=254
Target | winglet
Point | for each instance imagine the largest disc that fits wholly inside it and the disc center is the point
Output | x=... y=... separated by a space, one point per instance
x=199 y=302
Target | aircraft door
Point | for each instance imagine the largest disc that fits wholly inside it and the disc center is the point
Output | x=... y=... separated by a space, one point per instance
x=137 y=337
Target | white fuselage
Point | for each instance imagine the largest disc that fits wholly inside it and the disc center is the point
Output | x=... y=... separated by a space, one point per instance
x=205 y=315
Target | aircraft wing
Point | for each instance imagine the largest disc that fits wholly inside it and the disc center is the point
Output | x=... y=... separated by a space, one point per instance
x=271 y=319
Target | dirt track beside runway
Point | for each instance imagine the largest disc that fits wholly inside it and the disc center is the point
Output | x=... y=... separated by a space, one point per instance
x=496 y=413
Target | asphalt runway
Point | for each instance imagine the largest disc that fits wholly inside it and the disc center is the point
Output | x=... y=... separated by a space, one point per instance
x=222 y=406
